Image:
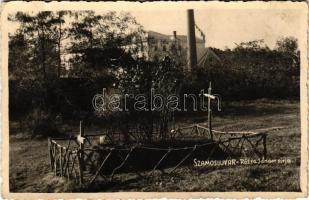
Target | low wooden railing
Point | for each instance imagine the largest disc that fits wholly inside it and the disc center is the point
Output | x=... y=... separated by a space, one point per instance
x=69 y=158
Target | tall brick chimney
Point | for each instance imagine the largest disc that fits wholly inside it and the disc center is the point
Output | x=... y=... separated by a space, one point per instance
x=191 y=43
x=174 y=34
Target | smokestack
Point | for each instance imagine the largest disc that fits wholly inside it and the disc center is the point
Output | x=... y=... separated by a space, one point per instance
x=174 y=34
x=192 y=58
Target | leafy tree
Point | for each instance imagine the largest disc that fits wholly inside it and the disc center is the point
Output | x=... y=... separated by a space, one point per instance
x=287 y=44
x=101 y=42
x=107 y=50
x=34 y=40
x=99 y=46
x=34 y=61
x=252 y=70
x=164 y=78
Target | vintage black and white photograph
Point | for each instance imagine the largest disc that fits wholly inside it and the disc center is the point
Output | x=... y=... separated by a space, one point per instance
x=133 y=97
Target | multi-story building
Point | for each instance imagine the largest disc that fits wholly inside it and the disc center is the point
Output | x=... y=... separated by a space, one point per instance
x=159 y=45
x=154 y=45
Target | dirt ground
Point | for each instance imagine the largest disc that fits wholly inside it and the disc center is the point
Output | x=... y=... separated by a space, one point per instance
x=30 y=171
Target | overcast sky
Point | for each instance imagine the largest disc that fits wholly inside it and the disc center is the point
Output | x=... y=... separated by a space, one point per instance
x=225 y=27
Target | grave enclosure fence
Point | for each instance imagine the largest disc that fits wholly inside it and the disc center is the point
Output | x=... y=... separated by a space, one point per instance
x=84 y=160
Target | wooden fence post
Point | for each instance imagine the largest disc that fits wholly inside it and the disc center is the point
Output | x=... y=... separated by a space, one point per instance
x=60 y=161
x=50 y=153
x=55 y=159
x=264 y=146
x=209 y=112
x=81 y=153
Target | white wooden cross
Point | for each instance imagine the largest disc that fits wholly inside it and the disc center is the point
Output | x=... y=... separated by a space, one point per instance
x=81 y=139
x=210 y=98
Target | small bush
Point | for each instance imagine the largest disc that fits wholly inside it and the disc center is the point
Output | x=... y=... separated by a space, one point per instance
x=42 y=124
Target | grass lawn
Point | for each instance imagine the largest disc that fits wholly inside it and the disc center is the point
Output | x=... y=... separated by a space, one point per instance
x=30 y=172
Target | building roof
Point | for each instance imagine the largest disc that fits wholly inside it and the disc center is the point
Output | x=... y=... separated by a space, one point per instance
x=205 y=55
x=160 y=36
